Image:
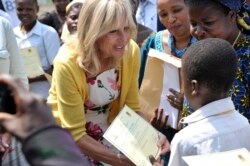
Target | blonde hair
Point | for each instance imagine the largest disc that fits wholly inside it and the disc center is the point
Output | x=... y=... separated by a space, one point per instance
x=97 y=18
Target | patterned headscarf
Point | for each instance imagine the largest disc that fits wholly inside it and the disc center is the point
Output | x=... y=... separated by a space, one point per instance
x=243 y=12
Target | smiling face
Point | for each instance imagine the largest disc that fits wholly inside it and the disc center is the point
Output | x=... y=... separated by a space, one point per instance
x=173 y=15
x=72 y=19
x=27 y=12
x=113 y=44
x=209 y=22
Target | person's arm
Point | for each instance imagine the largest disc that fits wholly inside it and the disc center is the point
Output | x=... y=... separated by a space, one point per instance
x=132 y=97
x=41 y=77
x=38 y=78
x=16 y=61
x=99 y=152
x=52 y=43
x=51 y=145
x=44 y=143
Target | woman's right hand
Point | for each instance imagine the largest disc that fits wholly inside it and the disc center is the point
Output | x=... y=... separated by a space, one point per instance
x=175 y=99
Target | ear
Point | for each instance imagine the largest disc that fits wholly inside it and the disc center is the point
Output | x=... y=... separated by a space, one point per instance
x=232 y=15
x=194 y=88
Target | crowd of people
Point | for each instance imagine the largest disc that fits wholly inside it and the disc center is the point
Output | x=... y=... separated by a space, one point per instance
x=96 y=52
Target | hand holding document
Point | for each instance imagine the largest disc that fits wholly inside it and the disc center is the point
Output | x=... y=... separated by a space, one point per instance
x=134 y=137
x=239 y=157
x=162 y=73
x=32 y=64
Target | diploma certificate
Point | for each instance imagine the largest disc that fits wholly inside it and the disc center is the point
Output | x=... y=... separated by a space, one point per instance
x=134 y=137
x=32 y=64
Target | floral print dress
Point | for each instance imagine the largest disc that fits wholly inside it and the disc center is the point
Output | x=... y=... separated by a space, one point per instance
x=103 y=89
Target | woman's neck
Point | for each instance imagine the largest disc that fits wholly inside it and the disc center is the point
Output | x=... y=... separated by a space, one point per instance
x=182 y=42
x=106 y=64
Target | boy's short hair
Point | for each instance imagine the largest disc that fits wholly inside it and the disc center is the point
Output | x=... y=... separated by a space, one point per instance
x=212 y=62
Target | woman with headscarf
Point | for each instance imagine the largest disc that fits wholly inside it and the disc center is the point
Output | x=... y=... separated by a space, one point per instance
x=228 y=20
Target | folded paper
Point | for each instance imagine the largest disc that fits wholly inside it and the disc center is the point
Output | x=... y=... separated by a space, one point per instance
x=32 y=64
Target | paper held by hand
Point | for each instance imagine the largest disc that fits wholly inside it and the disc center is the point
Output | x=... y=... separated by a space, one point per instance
x=162 y=72
x=134 y=137
x=170 y=59
x=238 y=157
x=32 y=64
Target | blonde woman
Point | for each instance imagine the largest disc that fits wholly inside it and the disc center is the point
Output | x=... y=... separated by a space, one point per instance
x=96 y=76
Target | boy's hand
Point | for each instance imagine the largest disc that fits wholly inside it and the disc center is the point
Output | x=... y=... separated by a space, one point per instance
x=175 y=99
x=159 y=120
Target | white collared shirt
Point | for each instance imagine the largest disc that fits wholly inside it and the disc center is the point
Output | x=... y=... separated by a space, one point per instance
x=150 y=14
x=215 y=127
x=44 y=38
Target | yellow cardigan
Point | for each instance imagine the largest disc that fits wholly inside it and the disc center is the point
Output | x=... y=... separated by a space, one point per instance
x=69 y=89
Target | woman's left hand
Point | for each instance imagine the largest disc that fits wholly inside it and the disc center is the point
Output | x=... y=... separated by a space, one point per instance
x=175 y=99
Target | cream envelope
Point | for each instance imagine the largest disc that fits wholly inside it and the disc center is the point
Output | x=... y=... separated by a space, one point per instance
x=162 y=70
